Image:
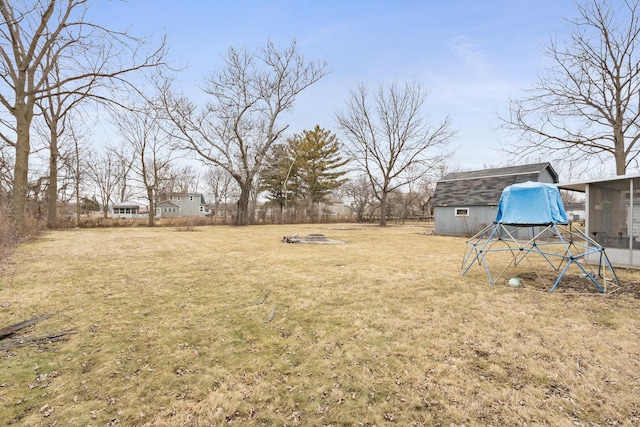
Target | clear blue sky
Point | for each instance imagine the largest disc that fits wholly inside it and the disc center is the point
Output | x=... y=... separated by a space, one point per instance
x=471 y=54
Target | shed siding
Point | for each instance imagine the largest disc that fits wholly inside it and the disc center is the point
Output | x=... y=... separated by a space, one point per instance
x=446 y=222
x=546 y=177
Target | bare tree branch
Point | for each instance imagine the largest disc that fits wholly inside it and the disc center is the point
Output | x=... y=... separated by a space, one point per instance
x=586 y=106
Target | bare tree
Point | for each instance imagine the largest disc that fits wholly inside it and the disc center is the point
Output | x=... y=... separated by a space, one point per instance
x=585 y=106
x=240 y=123
x=35 y=37
x=124 y=156
x=390 y=136
x=56 y=106
x=407 y=200
x=76 y=163
x=359 y=195
x=223 y=188
x=102 y=172
x=152 y=150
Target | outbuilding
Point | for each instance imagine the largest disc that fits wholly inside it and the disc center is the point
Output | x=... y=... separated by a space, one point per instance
x=466 y=202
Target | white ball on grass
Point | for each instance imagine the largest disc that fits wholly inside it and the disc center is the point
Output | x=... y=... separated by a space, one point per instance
x=515 y=282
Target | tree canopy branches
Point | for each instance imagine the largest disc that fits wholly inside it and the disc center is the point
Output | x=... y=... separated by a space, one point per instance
x=586 y=105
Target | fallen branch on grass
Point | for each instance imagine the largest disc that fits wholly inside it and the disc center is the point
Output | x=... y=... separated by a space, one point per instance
x=8 y=341
x=12 y=329
x=11 y=343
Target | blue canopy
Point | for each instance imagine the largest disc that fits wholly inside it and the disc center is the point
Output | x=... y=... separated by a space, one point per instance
x=531 y=203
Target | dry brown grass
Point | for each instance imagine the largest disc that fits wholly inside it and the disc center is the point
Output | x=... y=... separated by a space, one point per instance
x=228 y=325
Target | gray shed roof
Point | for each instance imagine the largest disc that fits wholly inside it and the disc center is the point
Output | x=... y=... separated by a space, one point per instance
x=484 y=187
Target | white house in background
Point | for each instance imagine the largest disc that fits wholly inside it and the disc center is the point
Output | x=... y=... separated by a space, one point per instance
x=129 y=209
x=176 y=205
x=575 y=211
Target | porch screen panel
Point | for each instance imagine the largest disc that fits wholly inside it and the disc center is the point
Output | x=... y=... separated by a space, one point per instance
x=634 y=214
x=609 y=213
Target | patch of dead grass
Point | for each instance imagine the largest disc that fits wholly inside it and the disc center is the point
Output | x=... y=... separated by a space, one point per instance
x=229 y=325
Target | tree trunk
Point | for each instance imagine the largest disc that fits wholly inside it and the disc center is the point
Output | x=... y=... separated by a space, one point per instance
x=243 y=214
x=77 y=182
x=21 y=167
x=312 y=212
x=152 y=207
x=52 y=190
x=620 y=156
x=281 y=213
x=78 y=204
x=383 y=209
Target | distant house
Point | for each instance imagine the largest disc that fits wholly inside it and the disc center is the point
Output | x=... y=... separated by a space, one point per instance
x=129 y=209
x=175 y=205
x=167 y=209
x=466 y=202
x=334 y=208
x=575 y=211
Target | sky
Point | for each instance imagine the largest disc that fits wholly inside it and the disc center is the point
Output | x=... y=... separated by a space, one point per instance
x=472 y=56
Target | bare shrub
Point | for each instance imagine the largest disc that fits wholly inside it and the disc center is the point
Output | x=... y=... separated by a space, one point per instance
x=101 y=222
x=12 y=234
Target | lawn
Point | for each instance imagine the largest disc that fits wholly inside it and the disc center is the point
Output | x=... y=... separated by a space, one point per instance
x=220 y=325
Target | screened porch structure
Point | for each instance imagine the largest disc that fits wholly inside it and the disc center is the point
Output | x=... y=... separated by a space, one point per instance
x=612 y=217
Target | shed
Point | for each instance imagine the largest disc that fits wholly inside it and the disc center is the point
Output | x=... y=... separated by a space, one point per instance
x=612 y=216
x=466 y=202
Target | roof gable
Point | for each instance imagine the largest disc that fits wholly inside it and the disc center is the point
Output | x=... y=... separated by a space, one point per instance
x=199 y=197
x=501 y=172
x=484 y=187
x=167 y=203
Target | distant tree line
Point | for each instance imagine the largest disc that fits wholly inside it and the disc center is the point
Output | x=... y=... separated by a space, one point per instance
x=66 y=80
x=65 y=76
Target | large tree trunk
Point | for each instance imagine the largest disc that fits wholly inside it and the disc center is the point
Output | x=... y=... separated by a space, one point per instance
x=619 y=152
x=21 y=167
x=383 y=209
x=243 y=216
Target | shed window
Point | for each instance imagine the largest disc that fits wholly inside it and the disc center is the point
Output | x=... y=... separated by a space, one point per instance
x=462 y=211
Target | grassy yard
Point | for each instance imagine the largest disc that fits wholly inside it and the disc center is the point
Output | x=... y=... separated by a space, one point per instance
x=222 y=325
